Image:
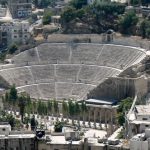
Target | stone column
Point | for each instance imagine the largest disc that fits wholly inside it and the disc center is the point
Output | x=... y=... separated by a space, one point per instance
x=111 y=121
x=95 y=118
x=105 y=113
x=89 y=117
x=100 y=115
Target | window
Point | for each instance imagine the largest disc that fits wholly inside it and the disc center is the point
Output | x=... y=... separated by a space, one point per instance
x=89 y=147
x=144 y=118
x=15 y=36
x=3 y=129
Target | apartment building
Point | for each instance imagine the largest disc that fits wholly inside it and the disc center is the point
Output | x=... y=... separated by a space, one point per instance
x=15 y=32
x=20 y=8
x=20 y=32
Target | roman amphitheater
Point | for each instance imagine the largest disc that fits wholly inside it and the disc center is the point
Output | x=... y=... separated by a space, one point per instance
x=73 y=71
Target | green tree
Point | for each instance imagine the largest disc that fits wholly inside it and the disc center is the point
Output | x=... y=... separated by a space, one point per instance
x=47 y=17
x=128 y=21
x=145 y=2
x=145 y=28
x=33 y=123
x=6 y=97
x=71 y=106
x=13 y=94
x=83 y=110
x=68 y=14
x=55 y=106
x=12 y=49
x=77 y=111
x=34 y=106
x=78 y=4
x=22 y=104
x=39 y=107
x=123 y=107
x=44 y=3
x=134 y=2
x=65 y=108
x=58 y=126
x=49 y=106
x=11 y=120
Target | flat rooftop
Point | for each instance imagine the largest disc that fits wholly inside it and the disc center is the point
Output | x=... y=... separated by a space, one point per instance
x=142 y=109
x=17 y=136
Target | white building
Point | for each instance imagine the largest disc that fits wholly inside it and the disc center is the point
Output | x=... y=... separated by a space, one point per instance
x=139 y=120
x=141 y=141
x=20 y=32
x=5 y=129
x=15 y=32
x=119 y=1
x=16 y=140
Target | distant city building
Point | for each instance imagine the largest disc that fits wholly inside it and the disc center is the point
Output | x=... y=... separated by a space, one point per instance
x=98 y=1
x=20 y=32
x=15 y=140
x=15 y=32
x=141 y=141
x=140 y=120
x=5 y=15
x=20 y=8
x=4 y=34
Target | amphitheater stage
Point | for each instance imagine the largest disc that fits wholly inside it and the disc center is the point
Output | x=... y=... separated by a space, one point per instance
x=101 y=102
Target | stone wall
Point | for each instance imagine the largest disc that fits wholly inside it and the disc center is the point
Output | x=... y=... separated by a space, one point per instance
x=120 y=88
x=98 y=38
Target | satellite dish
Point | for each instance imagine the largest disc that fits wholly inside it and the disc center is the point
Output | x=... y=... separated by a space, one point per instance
x=40 y=134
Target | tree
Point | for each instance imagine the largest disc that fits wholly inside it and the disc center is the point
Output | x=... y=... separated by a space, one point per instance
x=47 y=17
x=77 y=109
x=58 y=126
x=123 y=107
x=13 y=95
x=83 y=110
x=145 y=28
x=128 y=21
x=78 y=4
x=11 y=120
x=13 y=48
x=65 y=109
x=34 y=107
x=49 y=106
x=22 y=103
x=33 y=123
x=71 y=106
x=6 y=97
x=43 y=3
x=55 y=106
x=145 y=2
x=68 y=14
x=134 y=2
x=39 y=107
